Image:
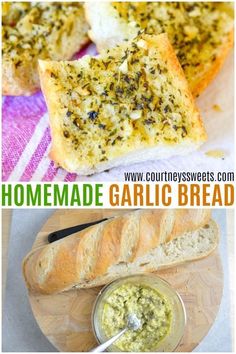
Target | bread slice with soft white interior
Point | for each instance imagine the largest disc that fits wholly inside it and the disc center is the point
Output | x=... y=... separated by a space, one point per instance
x=130 y=104
x=190 y=246
x=200 y=32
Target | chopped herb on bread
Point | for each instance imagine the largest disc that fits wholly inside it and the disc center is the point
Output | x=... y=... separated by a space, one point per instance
x=130 y=104
x=200 y=32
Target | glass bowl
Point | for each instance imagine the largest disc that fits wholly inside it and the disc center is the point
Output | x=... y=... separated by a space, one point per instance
x=170 y=342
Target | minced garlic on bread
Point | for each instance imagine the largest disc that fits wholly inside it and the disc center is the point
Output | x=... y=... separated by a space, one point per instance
x=200 y=32
x=130 y=104
x=44 y=31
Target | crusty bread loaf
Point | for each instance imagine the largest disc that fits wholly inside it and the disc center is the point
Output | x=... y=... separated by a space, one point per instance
x=42 y=31
x=94 y=256
x=130 y=104
x=201 y=32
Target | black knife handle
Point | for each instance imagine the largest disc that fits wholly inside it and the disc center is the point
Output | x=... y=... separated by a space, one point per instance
x=57 y=235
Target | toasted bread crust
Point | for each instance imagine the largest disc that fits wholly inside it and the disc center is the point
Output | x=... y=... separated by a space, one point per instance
x=57 y=152
x=200 y=85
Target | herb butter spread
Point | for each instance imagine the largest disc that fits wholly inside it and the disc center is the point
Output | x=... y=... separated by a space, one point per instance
x=148 y=305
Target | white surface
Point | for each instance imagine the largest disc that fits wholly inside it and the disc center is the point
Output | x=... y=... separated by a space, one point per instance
x=20 y=330
x=219 y=127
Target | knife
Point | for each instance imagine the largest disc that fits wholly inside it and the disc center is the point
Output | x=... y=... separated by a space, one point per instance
x=59 y=234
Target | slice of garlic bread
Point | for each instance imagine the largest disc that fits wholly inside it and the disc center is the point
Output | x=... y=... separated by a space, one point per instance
x=130 y=104
x=201 y=32
x=43 y=31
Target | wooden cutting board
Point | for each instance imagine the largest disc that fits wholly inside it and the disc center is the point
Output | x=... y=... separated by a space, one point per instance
x=65 y=319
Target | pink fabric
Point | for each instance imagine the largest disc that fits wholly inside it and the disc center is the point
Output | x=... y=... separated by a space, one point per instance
x=23 y=122
x=50 y=173
x=36 y=157
x=70 y=177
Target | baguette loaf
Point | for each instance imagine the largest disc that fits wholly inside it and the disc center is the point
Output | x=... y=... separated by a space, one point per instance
x=201 y=32
x=130 y=104
x=128 y=243
x=41 y=31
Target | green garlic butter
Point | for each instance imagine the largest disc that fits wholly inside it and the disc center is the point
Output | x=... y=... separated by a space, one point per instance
x=151 y=307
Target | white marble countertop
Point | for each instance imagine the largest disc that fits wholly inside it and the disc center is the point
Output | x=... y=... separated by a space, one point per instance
x=20 y=330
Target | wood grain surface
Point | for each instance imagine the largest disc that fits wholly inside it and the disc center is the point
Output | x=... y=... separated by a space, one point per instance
x=65 y=319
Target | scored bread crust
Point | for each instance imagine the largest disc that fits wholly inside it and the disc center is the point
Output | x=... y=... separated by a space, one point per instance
x=65 y=42
x=65 y=156
x=108 y=36
x=84 y=259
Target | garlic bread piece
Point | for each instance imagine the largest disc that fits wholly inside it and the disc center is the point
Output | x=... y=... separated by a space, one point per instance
x=130 y=104
x=200 y=32
x=47 y=31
